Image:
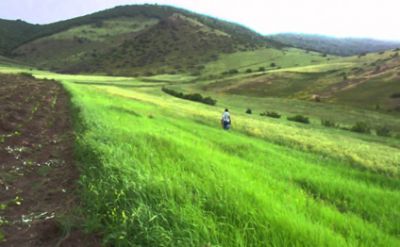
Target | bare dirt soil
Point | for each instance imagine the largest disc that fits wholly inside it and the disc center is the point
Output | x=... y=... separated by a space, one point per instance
x=38 y=176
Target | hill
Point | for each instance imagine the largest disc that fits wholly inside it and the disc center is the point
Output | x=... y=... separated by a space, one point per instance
x=139 y=37
x=222 y=57
x=336 y=46
x=14 y=33
x=159 y=171
x=367 y=82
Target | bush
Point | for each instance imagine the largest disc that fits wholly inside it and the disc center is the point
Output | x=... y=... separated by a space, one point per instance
x=249 y=70
x=361 y=127
x=272 y=65
x=261 y=69
x=362 y=54
x=209 y=101
x=300 y=119
x=383 y=131
x=271 y=114
x=192 y=97
x=27 y=75
x=249 y=111
x=329 y=123
x=231 y=72
x=395 y=95
x=148 y=73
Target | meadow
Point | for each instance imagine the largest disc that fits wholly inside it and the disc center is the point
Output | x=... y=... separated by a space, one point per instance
x=159 y=171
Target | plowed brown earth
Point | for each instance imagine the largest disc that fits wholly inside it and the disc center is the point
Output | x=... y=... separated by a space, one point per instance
x=37 y=172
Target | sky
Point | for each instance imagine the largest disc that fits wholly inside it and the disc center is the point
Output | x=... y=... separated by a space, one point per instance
x=341 y=18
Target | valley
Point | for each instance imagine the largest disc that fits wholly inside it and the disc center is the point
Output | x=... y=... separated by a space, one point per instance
x=312 y=159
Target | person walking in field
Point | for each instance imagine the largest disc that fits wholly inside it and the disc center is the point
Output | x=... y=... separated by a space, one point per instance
x=226 y=120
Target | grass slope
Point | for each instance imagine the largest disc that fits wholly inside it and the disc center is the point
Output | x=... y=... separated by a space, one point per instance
x=125 y=34
x=159 y=171
x=366 y=82
x=13 y=33
x=336 y=46
x=269 y=58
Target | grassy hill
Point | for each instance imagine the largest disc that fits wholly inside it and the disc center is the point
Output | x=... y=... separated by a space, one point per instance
x=14 y=33
x=139 y=37
x=8 y=61
x=366 y=82
x=336 y=46
x=159 y=171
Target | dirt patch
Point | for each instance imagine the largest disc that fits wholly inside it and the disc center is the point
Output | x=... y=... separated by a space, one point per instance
x=37 y=171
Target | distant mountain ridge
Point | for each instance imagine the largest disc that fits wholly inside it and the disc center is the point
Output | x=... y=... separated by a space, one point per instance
x=334 y=46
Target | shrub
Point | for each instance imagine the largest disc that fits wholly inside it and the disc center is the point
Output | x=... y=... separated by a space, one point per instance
x=395 y=95
x=27 y=75
x=249 y=70
x=383 y=131
x=299 y=118
x=192 y=97
x=272 y=65
x=361 y=127
x=362 y=54
x=329 y=123
x=261 y=69
x=148 y=73
x=209 y=101
x=272 y=114
x=231 y=72
x=249 y=111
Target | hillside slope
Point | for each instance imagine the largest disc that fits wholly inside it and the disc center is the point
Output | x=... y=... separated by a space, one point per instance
x=368 y=82
x=14 y=33
x=336 y=46
x=139 y=37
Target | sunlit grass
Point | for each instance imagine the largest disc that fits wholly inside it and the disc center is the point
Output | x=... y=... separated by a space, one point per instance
x=284 y=58
x=158 y=171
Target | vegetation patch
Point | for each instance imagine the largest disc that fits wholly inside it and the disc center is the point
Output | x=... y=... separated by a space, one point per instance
x=26 y=75
x=395 y=95
x=383 y=131
x=192 y=97
x=361 y=127
x=271 y=114
x=329 y=123
x=299 y=119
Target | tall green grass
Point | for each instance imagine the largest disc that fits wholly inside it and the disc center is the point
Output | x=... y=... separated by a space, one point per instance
x=159 y=171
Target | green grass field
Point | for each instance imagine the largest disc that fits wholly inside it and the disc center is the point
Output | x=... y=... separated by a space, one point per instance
x=159 y=171
x=284 y=58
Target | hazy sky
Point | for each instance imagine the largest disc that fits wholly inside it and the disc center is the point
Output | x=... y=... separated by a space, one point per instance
x=343 y=18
